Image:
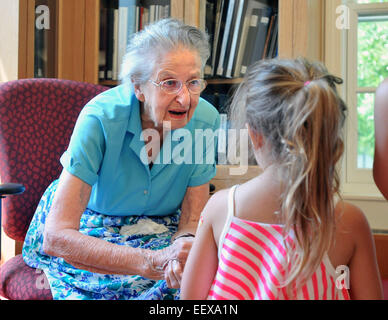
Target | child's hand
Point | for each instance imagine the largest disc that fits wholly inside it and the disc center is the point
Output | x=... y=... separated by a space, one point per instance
x=174 y=268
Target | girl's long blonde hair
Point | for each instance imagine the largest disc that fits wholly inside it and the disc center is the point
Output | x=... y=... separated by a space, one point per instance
x=295 y=106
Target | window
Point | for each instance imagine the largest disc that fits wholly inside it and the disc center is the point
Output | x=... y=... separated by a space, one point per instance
x=366 y=65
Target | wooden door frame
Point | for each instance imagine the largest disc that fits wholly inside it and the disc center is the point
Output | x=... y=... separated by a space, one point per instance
x=26 y=39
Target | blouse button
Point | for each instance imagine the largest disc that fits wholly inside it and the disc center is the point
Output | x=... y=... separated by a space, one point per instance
x=145 y=191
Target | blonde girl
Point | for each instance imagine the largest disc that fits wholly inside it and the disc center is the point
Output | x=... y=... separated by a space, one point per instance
x=285 y=233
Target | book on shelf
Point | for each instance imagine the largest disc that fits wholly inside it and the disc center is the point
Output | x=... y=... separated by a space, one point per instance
x=118 y=20
x=102 y=44
x=230 y=39
x=258 y=15
x=109 y=44
x=245 y=23
x=150 y=11
x=250 y=39
x=203 y=7
x=115 y=44
x=40 y=46
x=237 y=29
x=127 y=24
x=229 y=53
x=261 y=35
x=219 y=25
x=210 y=26
x=225 y=37
x=273 y=42
x=269 y=34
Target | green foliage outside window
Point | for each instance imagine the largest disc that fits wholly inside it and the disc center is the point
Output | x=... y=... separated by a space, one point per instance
x=372 y=69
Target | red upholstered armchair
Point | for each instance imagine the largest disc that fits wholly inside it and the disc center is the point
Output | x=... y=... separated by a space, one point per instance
x=37 y=117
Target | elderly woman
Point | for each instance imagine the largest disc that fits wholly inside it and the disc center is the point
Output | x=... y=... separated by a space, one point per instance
x=123 y=216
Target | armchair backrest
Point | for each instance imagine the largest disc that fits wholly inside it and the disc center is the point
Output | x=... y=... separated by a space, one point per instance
x=37 y=117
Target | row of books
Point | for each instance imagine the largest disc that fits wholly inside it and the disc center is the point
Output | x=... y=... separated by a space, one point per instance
x=242 y=32
x=117 y=22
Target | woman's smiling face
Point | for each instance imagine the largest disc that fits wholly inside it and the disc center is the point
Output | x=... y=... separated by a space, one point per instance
x=158 y=105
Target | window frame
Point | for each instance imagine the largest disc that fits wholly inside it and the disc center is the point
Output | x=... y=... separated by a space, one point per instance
x=341 y=59
x=353 y=173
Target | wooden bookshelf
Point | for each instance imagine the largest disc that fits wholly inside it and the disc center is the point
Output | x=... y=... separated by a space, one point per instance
x=300 y=30
x=300 y=33
x=224 y=81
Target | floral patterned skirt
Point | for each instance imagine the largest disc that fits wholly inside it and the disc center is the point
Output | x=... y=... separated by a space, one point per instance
x=68 y=282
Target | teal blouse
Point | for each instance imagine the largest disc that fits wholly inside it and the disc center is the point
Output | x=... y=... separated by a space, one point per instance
x=107 y=147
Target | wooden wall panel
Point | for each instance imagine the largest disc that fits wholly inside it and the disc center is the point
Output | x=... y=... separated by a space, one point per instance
x=286 y=28
x=178 y=9
x=191 y=12
x=26 y=39
x=92 y=29
x=332 y=41
x=301 y=31
x=71 y=39
x=316 y=32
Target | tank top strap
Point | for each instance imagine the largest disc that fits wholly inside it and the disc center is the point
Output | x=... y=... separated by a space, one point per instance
x=229 y=217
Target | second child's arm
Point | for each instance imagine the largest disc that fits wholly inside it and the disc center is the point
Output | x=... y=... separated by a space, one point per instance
x=202 y=263
x=365 y=283
x=380 y=164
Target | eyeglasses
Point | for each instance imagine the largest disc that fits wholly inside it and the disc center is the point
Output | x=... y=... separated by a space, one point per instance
x=173 y=86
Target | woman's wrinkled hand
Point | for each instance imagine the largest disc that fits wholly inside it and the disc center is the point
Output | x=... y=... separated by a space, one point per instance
x=168 y=263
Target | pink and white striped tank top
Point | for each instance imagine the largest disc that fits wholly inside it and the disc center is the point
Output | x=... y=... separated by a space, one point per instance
x=252 y=261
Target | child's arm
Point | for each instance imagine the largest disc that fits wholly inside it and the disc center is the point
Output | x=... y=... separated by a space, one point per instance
x=202 y=263
x=365 y=282
x=380 y=164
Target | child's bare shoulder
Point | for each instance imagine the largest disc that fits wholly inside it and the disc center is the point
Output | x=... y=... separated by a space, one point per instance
x=351 y=218
x=218 y=201
x=216 y=208
x=351 y=228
